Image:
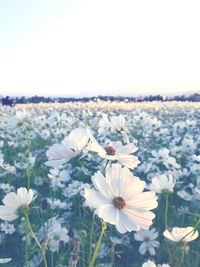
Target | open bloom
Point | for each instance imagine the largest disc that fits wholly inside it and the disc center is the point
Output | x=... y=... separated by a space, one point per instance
x=13 y=201
x=185 y=234
x=70 y=147
x=116 y=151
x=119 y=199
x=148 y=241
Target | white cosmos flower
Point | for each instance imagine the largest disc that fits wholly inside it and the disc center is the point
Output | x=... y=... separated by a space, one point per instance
x=70 y=147
x=149 y=264
x=162 y=183
x=13 y=201
x=5 y=260
x=119 y=199
x=186 y=234
x=148 y=241
x=118 y=123
x=116 y=151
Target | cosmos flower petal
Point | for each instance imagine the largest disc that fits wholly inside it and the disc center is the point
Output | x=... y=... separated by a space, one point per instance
x=5 y=260
x=11 y=200
x=55 y=163
x=144 y=219
x=95 y=199
x=7 y=213
x=133 y=187
x=130 y=161
x=101 y=184
x=127 y=149
x=146 y=200
x=126 y=223
x=108 y=213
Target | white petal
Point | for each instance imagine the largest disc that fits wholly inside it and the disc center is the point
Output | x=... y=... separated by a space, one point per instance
x=55 y=162
x=5 y=260
x=95 y=199
x=126 y=222
x=101 y=184
x=141 y=219
x=11 y=200
x=146 y=201
x=108 y=213
x=7 y=214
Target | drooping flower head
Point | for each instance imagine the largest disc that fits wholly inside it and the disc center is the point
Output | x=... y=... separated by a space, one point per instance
x=70 y=147
x=184 y=234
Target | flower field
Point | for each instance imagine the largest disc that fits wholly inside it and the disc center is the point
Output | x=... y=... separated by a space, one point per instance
x=100 y=184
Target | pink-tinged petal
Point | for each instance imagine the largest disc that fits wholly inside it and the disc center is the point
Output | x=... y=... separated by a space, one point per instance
x=133 y=187
x=145 y=200
x=11 y=200
x=95 y=199
x=108 y=213
x=101 y=184
x=142 y=219
x=7 y=214
x=126 y=222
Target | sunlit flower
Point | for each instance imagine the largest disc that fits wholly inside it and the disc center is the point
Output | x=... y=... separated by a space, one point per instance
x=118 y=199
x=185 y=234
x=13 y=201
x=70 y=147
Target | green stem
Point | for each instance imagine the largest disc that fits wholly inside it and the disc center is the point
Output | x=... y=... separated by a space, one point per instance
x=104 y=169
x=195 y=227
x=98 y=245
x=166 y=209
x=91 y=236
x=36 y=240
x=182 y=256
x=26 y=246
x=85 y=170
x=28 y=171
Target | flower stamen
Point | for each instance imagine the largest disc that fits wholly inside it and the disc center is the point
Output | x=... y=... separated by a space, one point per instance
x=119 y=202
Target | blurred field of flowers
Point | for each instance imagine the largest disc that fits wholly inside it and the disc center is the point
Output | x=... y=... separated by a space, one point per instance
x=100 y=184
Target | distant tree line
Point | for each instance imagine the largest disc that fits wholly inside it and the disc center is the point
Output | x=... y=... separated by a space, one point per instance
x=11 y=101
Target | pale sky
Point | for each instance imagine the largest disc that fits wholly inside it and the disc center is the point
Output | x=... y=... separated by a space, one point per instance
x=92 y=47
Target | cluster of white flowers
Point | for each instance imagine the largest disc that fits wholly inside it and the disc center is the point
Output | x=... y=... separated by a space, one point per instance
x=134 y=170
